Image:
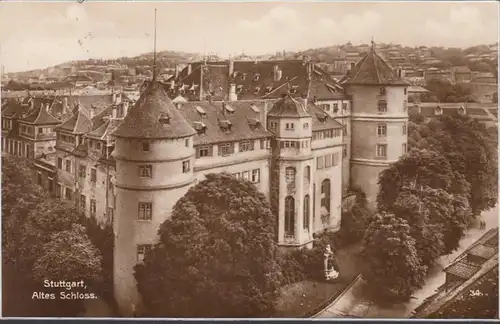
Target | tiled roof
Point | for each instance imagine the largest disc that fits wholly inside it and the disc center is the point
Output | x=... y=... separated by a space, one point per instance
x=13 y=109
x=289 y=107
x=40 y=116
x=78 y=123
x=242 y=116
x=154 y=116
x=373 y=70
x=105 y=129
x=482 y=251
x=321 y=120
x=88 y=101
x=462 y=269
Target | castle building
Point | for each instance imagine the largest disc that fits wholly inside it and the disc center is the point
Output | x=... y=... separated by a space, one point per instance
x=286 y=126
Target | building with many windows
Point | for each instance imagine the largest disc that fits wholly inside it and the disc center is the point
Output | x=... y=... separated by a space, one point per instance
x=286 y=126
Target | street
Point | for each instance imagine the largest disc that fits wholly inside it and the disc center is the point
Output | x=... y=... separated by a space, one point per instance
x=352 y=304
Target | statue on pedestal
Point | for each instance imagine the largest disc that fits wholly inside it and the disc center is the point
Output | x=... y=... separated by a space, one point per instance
x=330 y=271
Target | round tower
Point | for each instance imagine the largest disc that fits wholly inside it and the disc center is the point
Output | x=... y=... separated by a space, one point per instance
x=379 y=120
x=154 y=168
x=291 y=171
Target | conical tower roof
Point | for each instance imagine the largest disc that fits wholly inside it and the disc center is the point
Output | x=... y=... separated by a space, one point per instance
x=372 y=69
x=288 y=107
x=154 y=116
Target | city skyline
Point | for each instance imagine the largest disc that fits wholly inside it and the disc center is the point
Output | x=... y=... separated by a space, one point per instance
x=53 y=33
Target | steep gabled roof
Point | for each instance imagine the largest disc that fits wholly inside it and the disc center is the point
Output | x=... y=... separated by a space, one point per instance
x=372 y=69
x=289 y=107
x=78 y=123
x=105 y=129
x=243 y=116
x=154 y=116
x=13 y=108
x=40 y=116
x=321 y=120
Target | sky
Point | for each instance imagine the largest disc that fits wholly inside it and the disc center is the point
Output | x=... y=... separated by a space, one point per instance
x=37 y=35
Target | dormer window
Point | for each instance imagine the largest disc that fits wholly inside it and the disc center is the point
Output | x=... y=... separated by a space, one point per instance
x=322 y=117
x=382 y=91
x=256 y=77
x=225 y=125
x=145 y=146
x=243 y=76
x=201 y=111
x=255 y=108
x=256 y=91
x=269 y=88
x=164 y=119
x=235 y=74
x=461 y=111
x=200 y=127
x=253 y=122
x=438 y=110
x=239 y=88
x=228 y=108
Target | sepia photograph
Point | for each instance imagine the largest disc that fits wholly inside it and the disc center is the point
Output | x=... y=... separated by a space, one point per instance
x=249 y=159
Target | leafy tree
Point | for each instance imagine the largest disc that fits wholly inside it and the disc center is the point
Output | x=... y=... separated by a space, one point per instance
x=216 y=256
x=71 y=255
x=19 y=195
x=427 y=234
x=392 y=266
x=427 y=168
x=45 y=219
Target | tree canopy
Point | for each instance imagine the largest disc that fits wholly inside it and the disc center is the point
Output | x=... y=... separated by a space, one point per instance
x=216 y=256
x=392 y=266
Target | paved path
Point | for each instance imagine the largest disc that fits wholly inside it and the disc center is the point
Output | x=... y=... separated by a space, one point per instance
x=352 y=303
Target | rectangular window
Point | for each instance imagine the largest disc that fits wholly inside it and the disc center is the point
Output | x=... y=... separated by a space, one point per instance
x=142 y=250
x=226 y=149
x=83 y=203
x=51 y=185
x=146 y=171
x=82 y=172
x=59 y=163
x=382 y=106
x=145 y=211
x=202 y=151
x=328 y=161
x=236 y=175
x=382 y=90
x=404 y=148
x=344 y=150
x=404 y=129
x=93 y=207
x=145 y=146
x=185 y=166
x=246 y=146
x=68 y=166
x=110 y=182
x=262 y=144
x=344 y=106
x=186 y=142
x=273 y=125
x=67 y=194
x=39 y=178
x=246 y=175
x=382 y=150
x=306 y=125
x=335 y=158
x=406 y=90
x=256 y=175
x=58 y=190
x=319 y=162
x=382 y=130
x=290 y=126
x=93 y=175
x=335 y=107
x=111 y=214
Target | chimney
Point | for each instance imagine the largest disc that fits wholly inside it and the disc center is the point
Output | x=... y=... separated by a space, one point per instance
x=65 y=106
x=231 y=67
x=232 y=92
x=114 y=111
x=47 y=107
x=263 y=116
x=125 y=108
x=114 y=98
x=190 y=68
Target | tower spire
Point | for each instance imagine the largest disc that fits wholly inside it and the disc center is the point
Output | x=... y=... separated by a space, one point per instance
x=154 y=51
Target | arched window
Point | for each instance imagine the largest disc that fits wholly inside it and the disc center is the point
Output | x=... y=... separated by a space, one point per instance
x=306 y=213
x=289 y=217
x=290 y=176
x=307 y=174
x=325 y=194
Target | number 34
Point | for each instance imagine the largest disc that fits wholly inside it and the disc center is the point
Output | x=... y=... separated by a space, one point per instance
x=475 y=293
